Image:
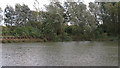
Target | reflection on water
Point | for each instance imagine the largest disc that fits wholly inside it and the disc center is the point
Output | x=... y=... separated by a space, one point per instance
x=61 y=54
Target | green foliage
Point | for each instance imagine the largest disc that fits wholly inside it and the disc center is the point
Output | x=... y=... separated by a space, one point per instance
x=52 y=24
x=23 y=14
x=31 y=31
x=99 y=32
x=69 y=30
x=110 y=17
x=1 y=17
x=9 y=19
x=18 y=31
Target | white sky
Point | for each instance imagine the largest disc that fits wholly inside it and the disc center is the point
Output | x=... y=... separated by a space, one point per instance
x=30 y=3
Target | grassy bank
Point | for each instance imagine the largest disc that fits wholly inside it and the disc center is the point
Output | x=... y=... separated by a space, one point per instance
x=19 y=40
x=12 y=39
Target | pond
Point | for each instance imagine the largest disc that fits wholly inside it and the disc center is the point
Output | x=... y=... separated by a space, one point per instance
x=82 y=53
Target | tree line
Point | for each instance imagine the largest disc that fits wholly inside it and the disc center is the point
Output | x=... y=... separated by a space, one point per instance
x=62 y=22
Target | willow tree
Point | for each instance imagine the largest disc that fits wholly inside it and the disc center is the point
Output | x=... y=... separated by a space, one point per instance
x=0 y=21
x=95 y=11
x=37 y=8
x=79 y=16
x=1 y=15
x=9 y=18
x=22 y=15
x=109 y=16
x=53 y=20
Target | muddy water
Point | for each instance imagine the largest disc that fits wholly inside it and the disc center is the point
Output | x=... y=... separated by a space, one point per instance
x=60 y=54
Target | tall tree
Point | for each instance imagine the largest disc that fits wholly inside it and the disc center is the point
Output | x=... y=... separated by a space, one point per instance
x=94 y=9
x=1 y=15
x=9 y=18
x=53 y=19
x=22 y=14
x=37 y=8
x=109 y=17
x=78 y=14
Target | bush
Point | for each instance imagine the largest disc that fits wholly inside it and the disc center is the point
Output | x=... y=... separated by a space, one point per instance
x=19 y=31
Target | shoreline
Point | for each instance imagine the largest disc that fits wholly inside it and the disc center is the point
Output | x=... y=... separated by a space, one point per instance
x=42 y=40
x=12 y=39
x=18 y=40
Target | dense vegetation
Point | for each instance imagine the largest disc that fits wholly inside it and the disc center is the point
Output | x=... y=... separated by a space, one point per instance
x=98 y=20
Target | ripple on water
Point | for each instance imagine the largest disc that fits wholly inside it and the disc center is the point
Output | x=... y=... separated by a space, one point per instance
x=63 y=53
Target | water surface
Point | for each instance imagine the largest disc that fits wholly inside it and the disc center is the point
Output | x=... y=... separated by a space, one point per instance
x=60 y=54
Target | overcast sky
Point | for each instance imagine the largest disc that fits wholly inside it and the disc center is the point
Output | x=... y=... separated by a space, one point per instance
x=30 y=3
